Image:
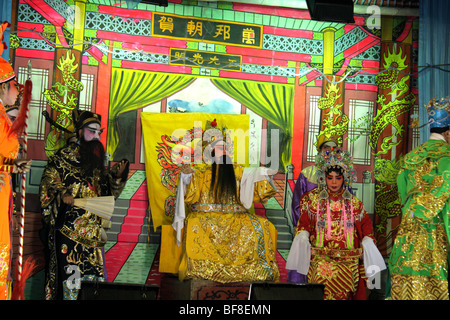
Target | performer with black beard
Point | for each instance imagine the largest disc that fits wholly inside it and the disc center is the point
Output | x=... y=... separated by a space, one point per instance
x=224 y=240
x=74 y=237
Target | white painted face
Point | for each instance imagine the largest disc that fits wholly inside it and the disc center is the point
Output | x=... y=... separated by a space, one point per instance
x=328 y=145
x=92 y=132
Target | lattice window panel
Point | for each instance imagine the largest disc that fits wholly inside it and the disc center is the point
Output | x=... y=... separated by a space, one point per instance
x=36 y=123
x=35 y=44
x=287 y=44
x=120 y=54
x=359 y=148
x=362 y=79
x=28 y=14
x=268 y=70
x=101 y=21
x=314 y=128
x=62 y=8
x=86 y=95
x=415 y=131
x=372 y=53
x=348 y=40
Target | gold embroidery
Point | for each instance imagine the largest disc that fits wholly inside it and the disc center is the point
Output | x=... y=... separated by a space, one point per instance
x=416 y=287
x=339 y=275
x=4 y=268
x=423 y=247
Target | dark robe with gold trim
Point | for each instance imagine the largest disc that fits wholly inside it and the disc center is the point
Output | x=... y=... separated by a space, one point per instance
x=74 y=237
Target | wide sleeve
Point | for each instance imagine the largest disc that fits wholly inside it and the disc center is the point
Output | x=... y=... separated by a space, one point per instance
x=180 y=210
x=299 y=257
x=304 y=223
x=50 y=190
x=193 y=188
x=432 y=196
x=256 y=185
x=372 y=258
x=51 y=185
x=301 y=187
x=264 y=190
x=300 y=253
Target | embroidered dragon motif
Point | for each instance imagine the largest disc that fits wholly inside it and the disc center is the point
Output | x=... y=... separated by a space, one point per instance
x=389 y=111
x=335 y=121
x=387 y=206
x=398 y=101
x=63 y=98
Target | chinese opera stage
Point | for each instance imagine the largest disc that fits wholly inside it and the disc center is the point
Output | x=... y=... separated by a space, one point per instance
x=132 y=250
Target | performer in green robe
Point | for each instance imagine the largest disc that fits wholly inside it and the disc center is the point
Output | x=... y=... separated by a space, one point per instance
x=73 y=236
x=418 y=265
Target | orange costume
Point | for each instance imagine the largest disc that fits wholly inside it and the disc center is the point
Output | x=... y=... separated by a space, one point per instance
x=9 y=148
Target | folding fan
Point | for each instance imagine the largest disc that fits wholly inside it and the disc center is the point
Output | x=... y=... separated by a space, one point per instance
x=101 y=206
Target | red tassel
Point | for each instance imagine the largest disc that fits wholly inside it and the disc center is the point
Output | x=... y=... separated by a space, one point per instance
x=19 y=124
x=29 y=266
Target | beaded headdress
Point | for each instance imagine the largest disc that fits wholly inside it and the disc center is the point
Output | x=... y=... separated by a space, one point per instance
x=213 y=134
x=438 y=112
x=332 y=159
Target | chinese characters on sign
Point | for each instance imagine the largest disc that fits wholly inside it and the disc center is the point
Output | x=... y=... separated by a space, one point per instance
x=215 y=31
x=205 y=59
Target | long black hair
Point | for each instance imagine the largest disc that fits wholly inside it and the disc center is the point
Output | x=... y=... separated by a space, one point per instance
x=337 y=169
x=224 y=190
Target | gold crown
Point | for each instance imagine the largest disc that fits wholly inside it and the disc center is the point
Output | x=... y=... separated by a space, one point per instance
x=213 y=134
x=324 y=138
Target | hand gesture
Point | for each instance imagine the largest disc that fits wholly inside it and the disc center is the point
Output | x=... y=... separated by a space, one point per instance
x=68 y=199
x=22 y=165
x=186 y=169
x=121 y=167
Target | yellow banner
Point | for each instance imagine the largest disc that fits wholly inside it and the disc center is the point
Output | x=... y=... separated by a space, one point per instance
x=171 y=139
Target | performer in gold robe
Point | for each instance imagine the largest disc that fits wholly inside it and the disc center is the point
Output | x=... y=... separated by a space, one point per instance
x=418 y=265
x=334 y=243
x=222 y=240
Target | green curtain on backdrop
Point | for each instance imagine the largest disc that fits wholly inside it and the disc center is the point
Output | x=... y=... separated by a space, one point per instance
x=274 y=102
x=134 y=89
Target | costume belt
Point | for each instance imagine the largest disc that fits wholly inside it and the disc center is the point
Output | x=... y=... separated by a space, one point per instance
x=236 y=208
x=337 y=253
x=80 y=239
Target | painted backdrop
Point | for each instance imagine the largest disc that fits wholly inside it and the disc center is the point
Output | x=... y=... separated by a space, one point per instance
x=294 y=77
